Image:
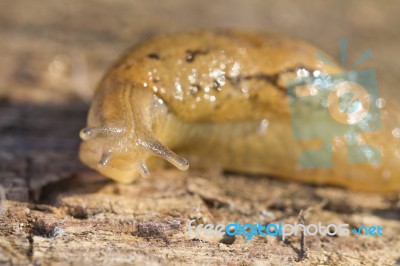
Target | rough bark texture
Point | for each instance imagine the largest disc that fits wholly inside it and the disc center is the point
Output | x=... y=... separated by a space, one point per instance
x=58 y=212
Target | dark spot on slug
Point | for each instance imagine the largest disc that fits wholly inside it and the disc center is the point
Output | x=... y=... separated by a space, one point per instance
x=194 y=88
x=154 y=56
x=234 y=81
x=272 y=79
x=269 y=78
x=155 y=79
x=216 y=85
x=254 y=98
x=191 y=55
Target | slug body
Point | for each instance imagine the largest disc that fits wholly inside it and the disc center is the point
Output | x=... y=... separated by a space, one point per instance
x=218 y=99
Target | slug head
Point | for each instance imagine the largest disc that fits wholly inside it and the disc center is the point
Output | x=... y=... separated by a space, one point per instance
x=118 y=144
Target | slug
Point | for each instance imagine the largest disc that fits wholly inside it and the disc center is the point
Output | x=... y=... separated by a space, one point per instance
x=219 y=99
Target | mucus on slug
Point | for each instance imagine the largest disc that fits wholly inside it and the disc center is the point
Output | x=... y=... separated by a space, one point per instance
x=151 y=108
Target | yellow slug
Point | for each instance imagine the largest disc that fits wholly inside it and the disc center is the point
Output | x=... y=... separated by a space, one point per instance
x=219 y=99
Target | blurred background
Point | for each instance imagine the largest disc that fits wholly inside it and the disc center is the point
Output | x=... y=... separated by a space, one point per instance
x=54 y=50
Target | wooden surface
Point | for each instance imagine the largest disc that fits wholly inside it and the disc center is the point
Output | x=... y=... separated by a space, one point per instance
x=58 y=212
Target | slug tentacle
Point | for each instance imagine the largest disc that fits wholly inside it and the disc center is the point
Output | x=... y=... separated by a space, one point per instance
x=142 y=118
x=105 y=157
x=157 y=148
x=223 y=100
x=93 y=132
x=120 y=149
